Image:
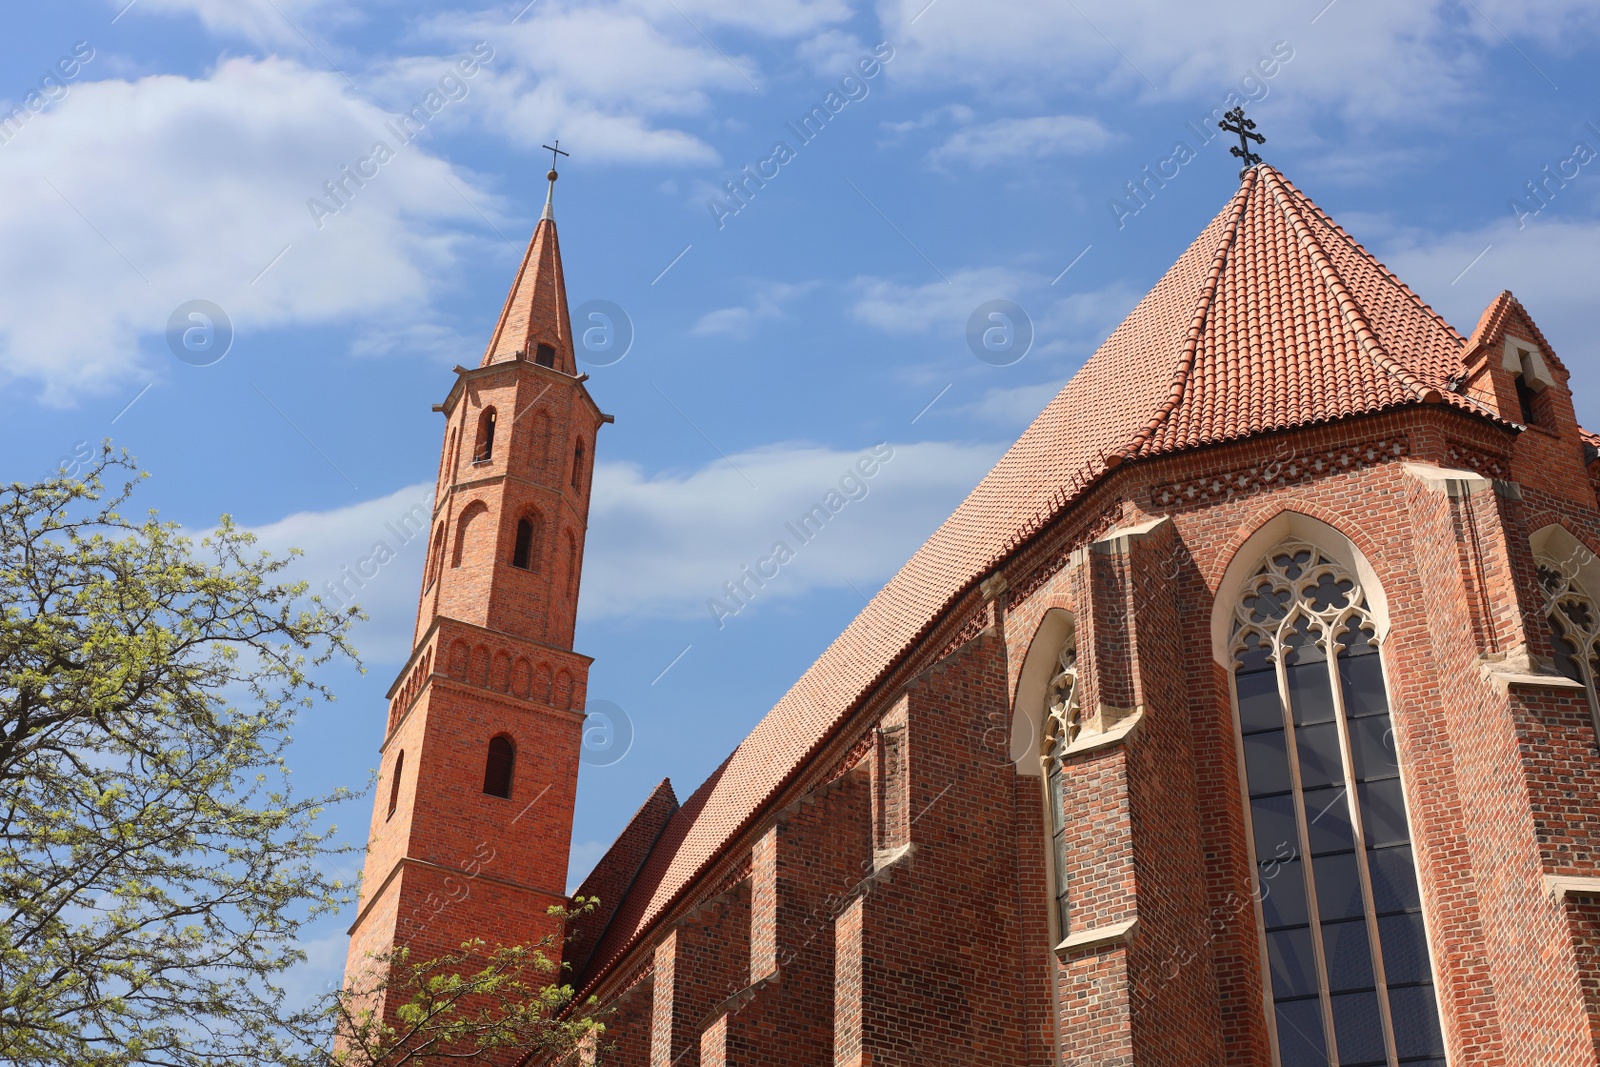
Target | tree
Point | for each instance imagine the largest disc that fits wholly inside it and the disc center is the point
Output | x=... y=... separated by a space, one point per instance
x=477 y=1004
x=155 y=865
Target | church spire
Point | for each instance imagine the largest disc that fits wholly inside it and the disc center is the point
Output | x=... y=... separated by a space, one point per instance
x=534 y=324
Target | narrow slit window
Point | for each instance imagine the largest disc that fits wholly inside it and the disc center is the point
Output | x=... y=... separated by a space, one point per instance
x=497 y=769
x=394 y=783
x=577 y=466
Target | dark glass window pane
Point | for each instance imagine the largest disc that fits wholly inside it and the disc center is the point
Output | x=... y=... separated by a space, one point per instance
x=1566 y=651
x=1328 y=820
x=1321 y=762
x=1063 y=920
x=1372 y=747
x=1283 y=894
x=1362 y=679
x=1394 y=879
x=1405 y=949
x=1259 y=706
x=1349 y=957
x=1310 y=693
x=1383 y=812
x=1416 y=1022
x=1294 y=968
x=1358 y=1029
x=1338 y=887
x=1266 y=762
x=1300 y=1039
x=1276 y=836
x=1060 y=848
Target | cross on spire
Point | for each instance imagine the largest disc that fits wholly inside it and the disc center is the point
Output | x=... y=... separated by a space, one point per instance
x=1243 y=127
x=550 y=196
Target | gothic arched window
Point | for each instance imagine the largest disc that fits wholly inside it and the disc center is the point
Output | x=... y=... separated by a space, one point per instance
x=1574 y=622
x=1063 y=722
x=394 y=784
x=525 y=550
x=577 y=466
x=498 y=767
x=483 y=452
x=1344 y=948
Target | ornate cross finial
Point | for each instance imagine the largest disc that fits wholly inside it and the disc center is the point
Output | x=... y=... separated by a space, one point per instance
x=550 y=194
x=555 y=150
x=1243 y=127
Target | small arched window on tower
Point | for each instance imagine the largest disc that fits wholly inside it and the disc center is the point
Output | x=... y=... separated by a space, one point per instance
x=1063 y=722
x=483 y=452
x=394 y=782
x=498 y=767
x=577 y=466
x=530 y=537
x=545 y=355
x=1530 y=376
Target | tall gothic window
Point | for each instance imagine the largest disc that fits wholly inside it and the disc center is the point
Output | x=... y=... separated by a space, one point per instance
x=1574 y=624
x=1063 y=722
x=1341 y=916
x=526 y=549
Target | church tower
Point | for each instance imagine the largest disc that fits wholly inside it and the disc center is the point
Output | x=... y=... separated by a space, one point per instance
x=479 y=764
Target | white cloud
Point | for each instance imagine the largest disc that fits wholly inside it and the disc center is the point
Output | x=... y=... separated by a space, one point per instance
x=741 y=321
x=1369 y=61
x=133 y=197
x=912 y=309
x=1017 y=140
x=605 y=75
x=344 y=564
x=663 y=545
x=265 y=21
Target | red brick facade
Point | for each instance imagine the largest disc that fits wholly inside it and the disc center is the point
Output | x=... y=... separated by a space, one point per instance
x=889 y=901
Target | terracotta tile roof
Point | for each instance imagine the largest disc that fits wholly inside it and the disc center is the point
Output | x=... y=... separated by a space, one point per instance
x=535 y=311
x=1273 y=318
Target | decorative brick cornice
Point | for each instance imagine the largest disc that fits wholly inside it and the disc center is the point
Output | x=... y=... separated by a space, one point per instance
x=1279 y=470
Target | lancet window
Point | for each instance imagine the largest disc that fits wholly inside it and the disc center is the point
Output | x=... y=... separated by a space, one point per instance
x=1063 y=722
x=1345 y=952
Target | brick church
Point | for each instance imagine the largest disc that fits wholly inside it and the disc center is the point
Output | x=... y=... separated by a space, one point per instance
x=1244 y=714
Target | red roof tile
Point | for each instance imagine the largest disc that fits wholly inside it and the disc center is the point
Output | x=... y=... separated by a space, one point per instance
x=1273 y=318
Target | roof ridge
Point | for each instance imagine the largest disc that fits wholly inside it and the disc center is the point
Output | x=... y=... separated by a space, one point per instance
x=1361 y=249
x=1197 y=322
x=1366 y=336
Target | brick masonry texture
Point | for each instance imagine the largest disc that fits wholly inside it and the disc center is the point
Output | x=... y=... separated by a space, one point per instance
x=867 y=880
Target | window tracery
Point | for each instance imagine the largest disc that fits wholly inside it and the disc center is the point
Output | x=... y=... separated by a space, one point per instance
x=1574 y=622
x=1348 y=972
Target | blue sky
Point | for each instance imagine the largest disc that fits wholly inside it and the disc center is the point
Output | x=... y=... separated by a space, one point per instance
x=986 y=157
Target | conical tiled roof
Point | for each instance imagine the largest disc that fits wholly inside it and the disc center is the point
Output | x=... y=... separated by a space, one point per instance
x=1273 y=318
x=536 y=308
